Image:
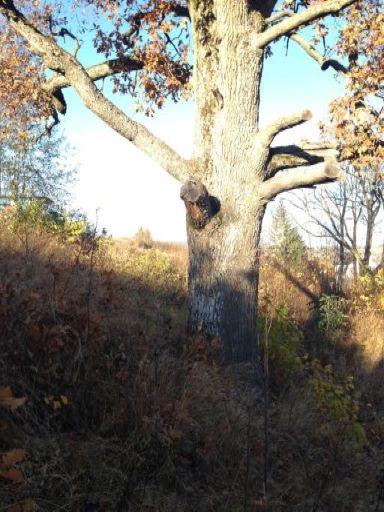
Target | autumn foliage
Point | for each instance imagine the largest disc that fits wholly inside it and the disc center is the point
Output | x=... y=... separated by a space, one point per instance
x=358 y=116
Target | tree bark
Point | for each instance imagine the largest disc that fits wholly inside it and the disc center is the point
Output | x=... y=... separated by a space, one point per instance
x=223 y=284
x=224 y=254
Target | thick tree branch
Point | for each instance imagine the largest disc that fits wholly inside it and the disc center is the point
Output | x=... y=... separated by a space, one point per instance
x=287 y=157
x=314 y=12
x=298 y=178
x=311 y=51
x=96 y=72
x=267 y=135
x=61 y=61
x=278 y=16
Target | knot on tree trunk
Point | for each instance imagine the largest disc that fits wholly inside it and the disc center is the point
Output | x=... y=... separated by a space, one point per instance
x=201 y=207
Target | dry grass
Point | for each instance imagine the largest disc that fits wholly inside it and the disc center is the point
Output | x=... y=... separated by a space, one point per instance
x=124 y=412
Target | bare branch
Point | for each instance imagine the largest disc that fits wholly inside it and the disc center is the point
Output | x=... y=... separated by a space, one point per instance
x=267 y=135
x=96 y=72
x=57 y=59
x=314 y=12
x=298 y=178
x=278 y=16
x=312 y=52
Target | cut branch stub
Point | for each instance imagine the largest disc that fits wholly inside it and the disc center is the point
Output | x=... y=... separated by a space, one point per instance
x=201 y=207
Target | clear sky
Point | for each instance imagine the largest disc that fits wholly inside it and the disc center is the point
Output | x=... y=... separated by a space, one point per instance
x=130 y=190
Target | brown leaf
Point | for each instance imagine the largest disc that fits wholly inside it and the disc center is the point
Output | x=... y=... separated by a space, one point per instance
x=12 y=457
x=13 y=474
x=26 y=506
x=8 y=401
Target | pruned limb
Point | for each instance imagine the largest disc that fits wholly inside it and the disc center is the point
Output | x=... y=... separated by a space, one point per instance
x=287 y=157
x=201 y=207
x=58 y=101
x=298 y=178
x=312 y=52
x=293 y=23
x=57 y=59
x=267 y=135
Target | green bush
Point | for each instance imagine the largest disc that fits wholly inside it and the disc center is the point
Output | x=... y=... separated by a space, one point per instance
x=284 y=338
x=332 y=317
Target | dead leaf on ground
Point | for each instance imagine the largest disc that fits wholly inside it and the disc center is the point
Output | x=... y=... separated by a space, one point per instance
x=13 y=474
x=12 y=457
x=8 y=401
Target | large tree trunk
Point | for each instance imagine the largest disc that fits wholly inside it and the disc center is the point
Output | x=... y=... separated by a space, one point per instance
x=223 y=252
x=223 y=284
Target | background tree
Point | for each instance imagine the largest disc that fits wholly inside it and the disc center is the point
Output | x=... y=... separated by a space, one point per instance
x=234 y=170
x=347 y=213
x=288 y=245
x=34 y=166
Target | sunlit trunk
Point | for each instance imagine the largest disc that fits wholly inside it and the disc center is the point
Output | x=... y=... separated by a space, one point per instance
x=223 y=254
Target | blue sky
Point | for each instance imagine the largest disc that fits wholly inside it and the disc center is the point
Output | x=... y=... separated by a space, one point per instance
x=130 y=190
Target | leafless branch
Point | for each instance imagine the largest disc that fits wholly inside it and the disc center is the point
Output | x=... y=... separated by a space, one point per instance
x=293 y=23
x=96 y=72
x=312 y=52
x=278 y=16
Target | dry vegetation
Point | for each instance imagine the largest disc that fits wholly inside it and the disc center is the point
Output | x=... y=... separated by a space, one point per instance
x=106 y=404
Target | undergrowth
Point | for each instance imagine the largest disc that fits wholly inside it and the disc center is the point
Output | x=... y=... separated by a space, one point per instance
x=107 y=405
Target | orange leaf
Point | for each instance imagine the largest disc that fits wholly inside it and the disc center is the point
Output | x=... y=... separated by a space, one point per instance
x=5 y=392
x=8 y=401
x=12 y=457
x=15 y=475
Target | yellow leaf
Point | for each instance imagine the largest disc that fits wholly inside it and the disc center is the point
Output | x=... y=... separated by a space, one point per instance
x=56 y=405
x=64 y=399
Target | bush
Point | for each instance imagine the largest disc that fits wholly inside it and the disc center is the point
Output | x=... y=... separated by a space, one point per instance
x=332 y=317
x=143 y=239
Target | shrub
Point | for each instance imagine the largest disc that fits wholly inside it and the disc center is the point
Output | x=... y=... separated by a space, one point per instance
x=332 y=317
x=143 y=239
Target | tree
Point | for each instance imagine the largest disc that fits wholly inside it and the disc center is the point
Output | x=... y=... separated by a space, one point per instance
x=347 y=213
x=33 y=166
x=234 y=171
x=287 y=242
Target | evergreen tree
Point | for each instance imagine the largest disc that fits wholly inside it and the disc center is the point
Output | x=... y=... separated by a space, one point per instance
x=287 y=242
